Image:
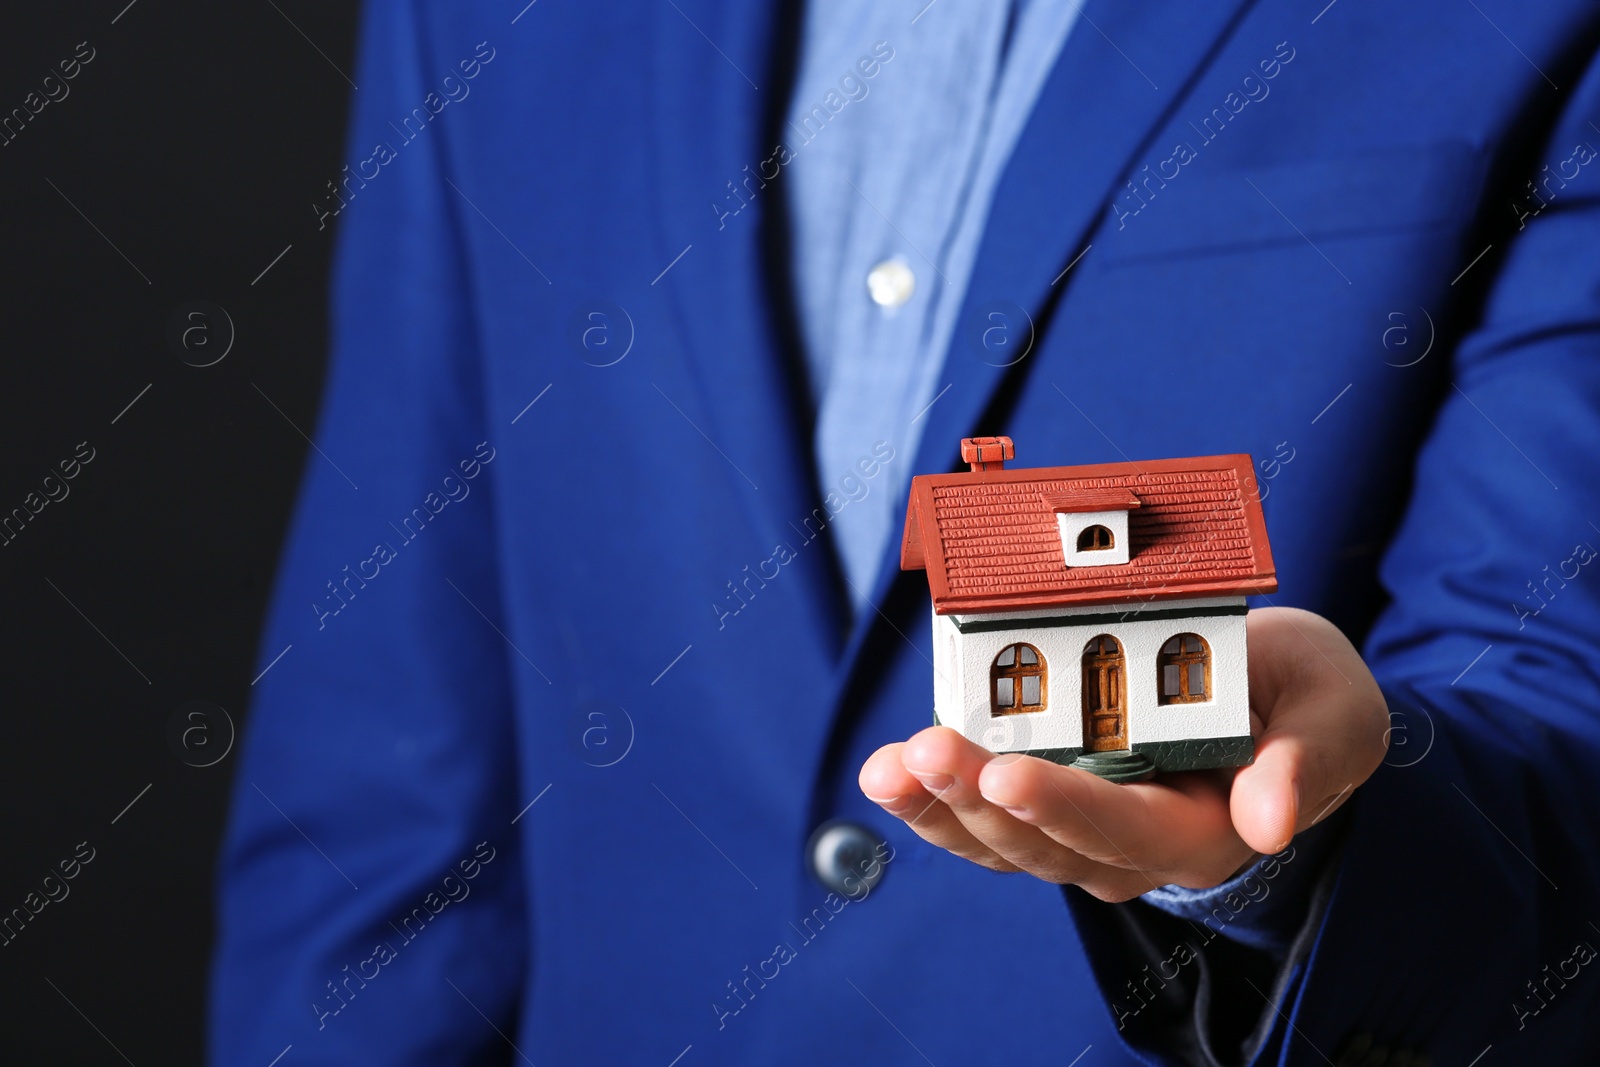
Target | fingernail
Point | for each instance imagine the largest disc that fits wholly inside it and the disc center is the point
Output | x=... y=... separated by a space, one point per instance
x=885 y=802
x=936 y=783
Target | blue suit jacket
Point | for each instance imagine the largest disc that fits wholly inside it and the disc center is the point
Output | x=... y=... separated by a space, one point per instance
x=1342 y=271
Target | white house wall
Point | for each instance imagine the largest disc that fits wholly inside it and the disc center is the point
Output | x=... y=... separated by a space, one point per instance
x=1226 y=714
x=947 y=698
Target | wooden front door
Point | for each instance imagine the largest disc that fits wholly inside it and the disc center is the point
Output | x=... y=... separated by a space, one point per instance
x=1105 y=690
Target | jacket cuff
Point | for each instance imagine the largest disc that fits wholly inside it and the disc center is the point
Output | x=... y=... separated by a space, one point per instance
x=1264 y=905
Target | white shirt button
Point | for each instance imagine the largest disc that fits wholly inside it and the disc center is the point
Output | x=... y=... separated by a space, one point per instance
x=891 y=283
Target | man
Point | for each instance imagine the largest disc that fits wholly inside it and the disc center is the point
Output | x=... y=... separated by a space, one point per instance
x=642 y=326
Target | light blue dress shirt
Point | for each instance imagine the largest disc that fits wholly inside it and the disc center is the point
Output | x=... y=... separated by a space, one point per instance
x=898 y=167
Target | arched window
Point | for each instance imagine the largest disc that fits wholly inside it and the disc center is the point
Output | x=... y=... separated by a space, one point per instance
x=1184 y=668
x=1017 y=681
x=1095 y=539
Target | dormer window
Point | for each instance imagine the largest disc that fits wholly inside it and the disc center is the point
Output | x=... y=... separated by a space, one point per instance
x=1096 y=539
x=1093 y=524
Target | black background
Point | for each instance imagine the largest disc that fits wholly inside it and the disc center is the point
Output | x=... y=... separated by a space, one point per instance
x=196 y=141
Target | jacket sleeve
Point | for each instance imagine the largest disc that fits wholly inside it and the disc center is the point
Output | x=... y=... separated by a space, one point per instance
x=371 y=905
x=1474 y=847
x=1464 y=908
x=1460 y=913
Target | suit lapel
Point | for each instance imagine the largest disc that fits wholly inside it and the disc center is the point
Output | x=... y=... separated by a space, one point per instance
x=1123 y=69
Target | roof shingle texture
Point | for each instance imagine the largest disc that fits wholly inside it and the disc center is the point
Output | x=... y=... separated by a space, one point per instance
x=996 y=540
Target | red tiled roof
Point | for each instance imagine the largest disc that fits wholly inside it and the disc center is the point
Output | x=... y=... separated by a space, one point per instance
x=989 y=539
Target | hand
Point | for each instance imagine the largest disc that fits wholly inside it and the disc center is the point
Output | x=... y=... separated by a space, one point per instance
x=1320 y=725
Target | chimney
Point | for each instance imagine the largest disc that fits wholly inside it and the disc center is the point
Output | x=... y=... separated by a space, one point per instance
x=987 y=453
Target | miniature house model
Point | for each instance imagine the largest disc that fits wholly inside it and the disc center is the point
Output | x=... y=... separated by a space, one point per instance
x=1093 y=615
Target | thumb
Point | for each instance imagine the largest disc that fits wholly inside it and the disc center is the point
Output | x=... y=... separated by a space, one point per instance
x=1325 y=727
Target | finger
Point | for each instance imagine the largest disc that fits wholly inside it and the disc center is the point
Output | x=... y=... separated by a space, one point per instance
x=950 y=766
x=886 y=782
x=1325 y=727
x=1176 y=830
